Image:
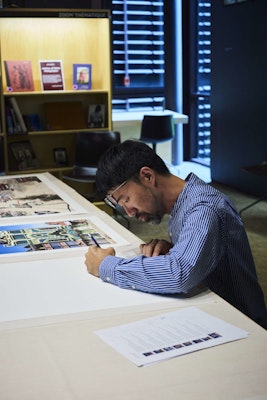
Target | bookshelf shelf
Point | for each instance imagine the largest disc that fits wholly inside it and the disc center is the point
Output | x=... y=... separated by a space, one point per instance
x=31 y=35
x=55 y=92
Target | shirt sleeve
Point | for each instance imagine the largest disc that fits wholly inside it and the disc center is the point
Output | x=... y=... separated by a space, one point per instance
x=192 y=258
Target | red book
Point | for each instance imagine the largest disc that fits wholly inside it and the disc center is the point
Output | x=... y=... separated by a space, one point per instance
x=52 y=75
x=19 y=76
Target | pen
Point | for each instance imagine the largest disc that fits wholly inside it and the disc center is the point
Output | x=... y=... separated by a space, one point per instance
x=94 y=240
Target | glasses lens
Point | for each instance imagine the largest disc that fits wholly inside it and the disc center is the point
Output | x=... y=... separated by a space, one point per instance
x=110 y=201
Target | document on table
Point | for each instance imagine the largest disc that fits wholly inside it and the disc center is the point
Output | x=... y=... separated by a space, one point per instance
x=169 y=335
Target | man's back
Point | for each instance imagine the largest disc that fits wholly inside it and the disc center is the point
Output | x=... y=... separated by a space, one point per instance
x=231 y=271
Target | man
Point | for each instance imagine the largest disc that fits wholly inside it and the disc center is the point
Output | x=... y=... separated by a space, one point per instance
x=208 y=244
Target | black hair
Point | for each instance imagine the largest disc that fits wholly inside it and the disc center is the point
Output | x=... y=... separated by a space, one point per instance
x=123 y=162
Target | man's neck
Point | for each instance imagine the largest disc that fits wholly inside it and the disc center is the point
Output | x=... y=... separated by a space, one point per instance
x=171 y=187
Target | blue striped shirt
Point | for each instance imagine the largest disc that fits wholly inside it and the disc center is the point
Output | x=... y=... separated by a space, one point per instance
x=210 y=246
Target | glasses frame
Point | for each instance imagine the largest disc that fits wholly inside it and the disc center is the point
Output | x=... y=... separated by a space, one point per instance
x=109 y=199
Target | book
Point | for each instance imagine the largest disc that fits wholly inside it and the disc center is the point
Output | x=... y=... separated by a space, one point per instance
x=19 y=77
x=64 y=115
x=24 y=155
x=33 y=122
x=82 y=76
x=96 y=116
x=52 y=75
x=2 y=163
x=21 y=127
x=9 y=119
x=12 y=122
x=15 y=122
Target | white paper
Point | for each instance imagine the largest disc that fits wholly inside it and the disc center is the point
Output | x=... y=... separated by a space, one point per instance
x=29 y=196
x=49 y=235
x=169 y=335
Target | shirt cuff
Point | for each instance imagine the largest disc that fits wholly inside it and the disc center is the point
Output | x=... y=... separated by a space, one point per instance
x=107 y=268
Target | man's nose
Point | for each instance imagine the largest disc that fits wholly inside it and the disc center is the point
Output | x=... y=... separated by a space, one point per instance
x=130 y=211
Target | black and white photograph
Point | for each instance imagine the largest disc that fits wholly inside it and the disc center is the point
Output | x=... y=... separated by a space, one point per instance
x=96 y=116
x=24 y=155
x=60 y=156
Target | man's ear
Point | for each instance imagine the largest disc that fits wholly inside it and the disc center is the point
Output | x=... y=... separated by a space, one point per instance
x=147 y=175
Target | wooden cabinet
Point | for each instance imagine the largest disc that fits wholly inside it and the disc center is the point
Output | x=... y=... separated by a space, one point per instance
x=69 y=36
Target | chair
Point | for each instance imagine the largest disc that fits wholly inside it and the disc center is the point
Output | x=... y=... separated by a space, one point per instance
x=89 y=147
x=156 y=129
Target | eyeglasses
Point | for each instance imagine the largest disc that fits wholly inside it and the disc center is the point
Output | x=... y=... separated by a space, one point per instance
x=109 y=199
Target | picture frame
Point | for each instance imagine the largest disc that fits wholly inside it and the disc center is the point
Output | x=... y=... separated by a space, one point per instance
x=96 y=116
x=82 y=76
x=24 y=155
x=60 y=156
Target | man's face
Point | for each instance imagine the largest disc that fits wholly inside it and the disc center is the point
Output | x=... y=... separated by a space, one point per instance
x=141 y=201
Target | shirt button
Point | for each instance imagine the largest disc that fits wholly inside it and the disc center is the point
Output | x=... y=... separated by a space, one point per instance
x=133 y=287
x=107 y=278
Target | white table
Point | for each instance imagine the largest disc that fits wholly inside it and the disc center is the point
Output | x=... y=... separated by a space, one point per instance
x=49 y=350
x=129 y=124
x=134 y=118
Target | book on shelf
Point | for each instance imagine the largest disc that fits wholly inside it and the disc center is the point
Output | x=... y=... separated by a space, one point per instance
x=52 y=75
x=96 y=116
x=82 y=76
x=2 y=159
x=9 y=120
x=33 y=122
x=19 y=77
x=17 y=115
x=24 y=155
x=14 y=125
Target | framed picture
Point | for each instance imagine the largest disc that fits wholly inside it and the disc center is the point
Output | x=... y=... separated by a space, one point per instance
x=96 y=116
x=24 y=155
x=82 y=76
x=60 y=157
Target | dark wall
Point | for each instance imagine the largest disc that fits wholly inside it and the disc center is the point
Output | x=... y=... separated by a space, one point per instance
x=54 y=3
x=239 y=93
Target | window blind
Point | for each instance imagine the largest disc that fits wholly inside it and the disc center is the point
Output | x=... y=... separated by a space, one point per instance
x=203 y=80
x=138 y=54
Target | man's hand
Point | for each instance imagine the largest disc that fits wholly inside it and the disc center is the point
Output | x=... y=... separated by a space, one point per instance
x=155 y=247
x=94 y=256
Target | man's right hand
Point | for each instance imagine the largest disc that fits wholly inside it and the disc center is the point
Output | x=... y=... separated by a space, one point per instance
x=94 y=256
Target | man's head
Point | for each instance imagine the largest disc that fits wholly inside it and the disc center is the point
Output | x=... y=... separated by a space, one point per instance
x=123 y=162
x=126 y=174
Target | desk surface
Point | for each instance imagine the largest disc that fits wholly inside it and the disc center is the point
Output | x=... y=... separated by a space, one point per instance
x=68 y=361
x=132 y=118
x=55 y=353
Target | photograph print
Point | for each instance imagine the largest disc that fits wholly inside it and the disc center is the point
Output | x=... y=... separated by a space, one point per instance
x=96 y=116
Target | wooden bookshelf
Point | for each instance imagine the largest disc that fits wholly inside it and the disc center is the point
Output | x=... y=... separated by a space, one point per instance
x=73 y=37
